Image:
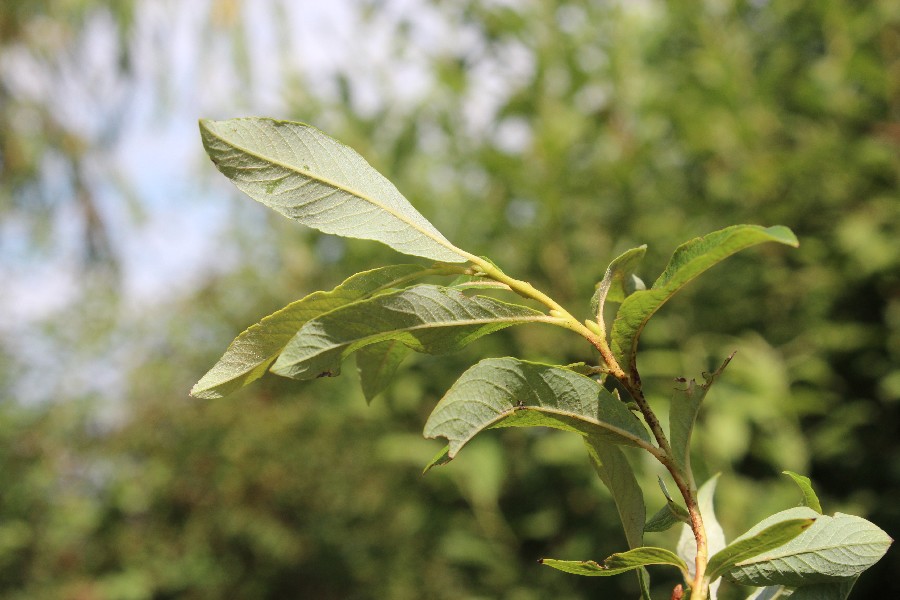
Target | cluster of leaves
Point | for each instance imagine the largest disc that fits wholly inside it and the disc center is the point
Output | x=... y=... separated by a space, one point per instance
x=382 y=314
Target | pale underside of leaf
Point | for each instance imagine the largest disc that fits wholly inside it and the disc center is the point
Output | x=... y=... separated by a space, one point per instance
x=425 y=318
x=715 y=535
x=507 y=392
x=308 y=176
x=771 y=537
x=689 y=260
x=833 y=549
x=839 y=590
x=250 y=354
x=617 y=282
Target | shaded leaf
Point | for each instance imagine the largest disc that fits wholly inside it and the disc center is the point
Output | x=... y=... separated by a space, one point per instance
x=769 y=593
x=507 y=392
x=308 y=176
x=839 y=590
x=377 y=364
x=745 y=548
x=250 y=354
x=617 y=475
x=621 y=562
x=689 y=260
x=426 y=318
x=683 y=412
x=834 y=548
x=810 y=498
x=619 y=280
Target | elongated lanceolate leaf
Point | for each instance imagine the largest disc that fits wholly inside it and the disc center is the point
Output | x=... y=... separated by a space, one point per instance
x=378 y=364
x=688 y=261
x=507 y=392
x=425 y=318
x=251 y=353
x=619 y=280
x=619 y=563
x=833 y=549
x=771 y=537
x=810 y=498
x=617 y=475
x=683 y=412
x=715 y=536
x=307 y=176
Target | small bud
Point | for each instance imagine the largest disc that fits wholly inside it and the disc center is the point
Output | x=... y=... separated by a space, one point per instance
x=556 y=313
x=593 y=326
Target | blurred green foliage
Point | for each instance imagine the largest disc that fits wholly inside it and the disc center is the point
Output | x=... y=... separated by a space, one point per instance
x=616 y=124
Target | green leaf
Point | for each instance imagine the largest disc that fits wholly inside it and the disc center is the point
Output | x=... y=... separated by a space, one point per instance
x=621 y=562
x=507 y=392
x=745 y=548
x=377 y=364
x=426 y=318
x=441 y=458
x=715 y=536
x=665 y=518
x=689 y=260
x=839 y=547
x=305 y=175
x=617 y=475
x=683 y=412
x=250 y=354
x=619 y=280
x=810 y=498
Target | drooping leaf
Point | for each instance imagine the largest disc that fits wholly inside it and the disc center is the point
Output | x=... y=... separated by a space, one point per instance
x=617 y=475
x=715 y=536
x=250 y=354
x=839 y=547
x=507 y=392
x=689 y=260
x=810 y=498
x=425 y=318
x=377 y=364
x=308 y=176
x=621 y=562
x=742 y=549
x=683 y=413
x=619 y=280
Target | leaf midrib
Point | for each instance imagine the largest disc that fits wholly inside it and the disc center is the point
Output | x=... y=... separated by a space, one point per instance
x=769 y=557
x=433 y=324
x=623 y=433
x=328 y=182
